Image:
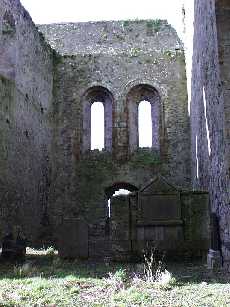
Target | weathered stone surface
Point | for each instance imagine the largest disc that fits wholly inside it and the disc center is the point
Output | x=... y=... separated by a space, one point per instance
x=26 y=83
x=135 y=225
x=209 y=58
x=88 y=72
x=112 y=37
x=73 y=239
x=48 y=173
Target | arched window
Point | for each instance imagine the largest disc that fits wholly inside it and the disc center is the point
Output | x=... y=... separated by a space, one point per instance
x=144 y=117
x=97 y=126
x=144 y=124
x=97 y=106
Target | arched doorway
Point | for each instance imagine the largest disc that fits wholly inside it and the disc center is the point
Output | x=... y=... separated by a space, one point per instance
x=119 y=188
x=119 y=219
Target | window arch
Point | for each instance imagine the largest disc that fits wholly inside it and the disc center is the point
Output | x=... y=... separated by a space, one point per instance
x=100 y=98
x=139 y=95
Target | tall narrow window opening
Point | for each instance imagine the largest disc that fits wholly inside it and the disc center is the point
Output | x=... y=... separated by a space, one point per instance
x=97 y=126
x=197 y=159
x=97 y=121
x=144 y=117
x=145 y=124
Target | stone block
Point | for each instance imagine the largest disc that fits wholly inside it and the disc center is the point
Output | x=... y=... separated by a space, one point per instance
x=214 y=260
x=73 y=239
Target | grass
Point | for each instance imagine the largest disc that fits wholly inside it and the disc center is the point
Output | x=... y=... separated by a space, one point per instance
x=45 y=280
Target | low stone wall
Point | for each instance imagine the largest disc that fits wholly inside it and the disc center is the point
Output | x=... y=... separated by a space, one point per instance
x=187 y=238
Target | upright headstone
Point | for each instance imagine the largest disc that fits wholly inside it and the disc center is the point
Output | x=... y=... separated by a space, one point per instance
x=73 y=239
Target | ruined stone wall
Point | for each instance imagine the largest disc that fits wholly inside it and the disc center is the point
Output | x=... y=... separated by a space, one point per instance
x=223 y=29
x=111 y=37
x=26 y=82
x=81 y=176
x=209 y=115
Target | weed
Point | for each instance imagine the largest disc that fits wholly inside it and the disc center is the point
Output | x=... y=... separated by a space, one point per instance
x=50 y=251
x=134 y=52
x=126 y=23
x=25 y=270
x=170 y=54
x=116 y=281
x=154 y=264
x=154 y=24
x=54 y=282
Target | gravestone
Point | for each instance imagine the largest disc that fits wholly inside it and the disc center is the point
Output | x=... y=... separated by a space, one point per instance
x=159 y=214
x=73 y=239
x=14 y=249
x=120 y=228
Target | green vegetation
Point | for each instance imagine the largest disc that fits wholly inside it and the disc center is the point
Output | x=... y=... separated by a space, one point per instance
x=151 y=24
x=126 y=23
x=134 y=52
x=154 y=24
x=145 y=157
x=171 y=54
x=129 y=22
x=48 y=281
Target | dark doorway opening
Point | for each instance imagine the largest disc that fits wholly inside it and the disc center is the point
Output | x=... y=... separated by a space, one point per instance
x=119 y=188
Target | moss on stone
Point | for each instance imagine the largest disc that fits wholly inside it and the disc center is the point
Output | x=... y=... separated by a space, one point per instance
x=145 y=157
x=154 y=24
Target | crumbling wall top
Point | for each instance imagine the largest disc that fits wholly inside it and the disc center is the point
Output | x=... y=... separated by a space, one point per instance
x=111 y=37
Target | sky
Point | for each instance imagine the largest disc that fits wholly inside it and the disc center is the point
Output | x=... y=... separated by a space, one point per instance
x=55 y=11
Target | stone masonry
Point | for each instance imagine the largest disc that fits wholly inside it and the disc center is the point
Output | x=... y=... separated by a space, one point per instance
x=209 y=108
x=26 y=85
x=49 y=77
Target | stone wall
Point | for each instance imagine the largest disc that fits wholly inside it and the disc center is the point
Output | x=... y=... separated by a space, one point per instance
x=209 y=111
x=112 y=37
x=45 y=103
x=80 y=177
x=26 y=82
x=187 y=237
x=223 y=29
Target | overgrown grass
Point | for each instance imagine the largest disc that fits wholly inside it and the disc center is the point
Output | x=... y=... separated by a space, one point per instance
x=45 y=280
